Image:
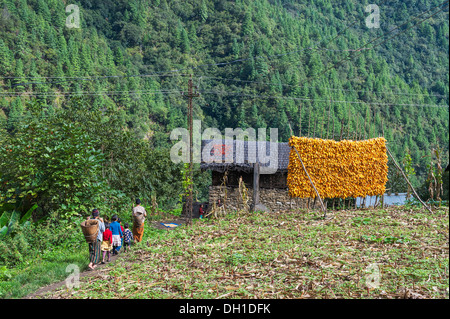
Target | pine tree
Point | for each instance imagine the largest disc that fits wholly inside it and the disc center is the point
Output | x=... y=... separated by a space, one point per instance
x=192 y=35
x=74 y=58
x=23 y=11
x=5 y=58
x=247 y=26
x=15 y=114
x=19 y=76
x=249 y=71
x=63 y=55
x=262 y=67
x=203 y=11
x=86 y=62
x=50 y=38
x=109 y=66
x=44 y=10
x=235 y=48
x=164 y=5
x=185 y=45
x=314 y=64
x=118 y=56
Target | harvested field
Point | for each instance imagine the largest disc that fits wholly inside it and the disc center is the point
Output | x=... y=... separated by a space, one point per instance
x=391 y=253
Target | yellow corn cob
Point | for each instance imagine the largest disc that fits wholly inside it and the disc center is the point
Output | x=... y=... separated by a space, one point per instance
x=338 y=169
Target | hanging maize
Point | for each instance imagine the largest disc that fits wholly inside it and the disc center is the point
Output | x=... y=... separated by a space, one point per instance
x=338 y=169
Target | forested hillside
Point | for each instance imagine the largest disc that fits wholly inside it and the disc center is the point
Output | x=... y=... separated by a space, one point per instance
x=313 y=65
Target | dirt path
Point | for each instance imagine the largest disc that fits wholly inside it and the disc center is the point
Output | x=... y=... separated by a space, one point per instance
x=57 y=286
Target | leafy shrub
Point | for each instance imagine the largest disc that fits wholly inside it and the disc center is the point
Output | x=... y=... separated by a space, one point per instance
x=35 y=240
x=9 y=219
x=54 y=163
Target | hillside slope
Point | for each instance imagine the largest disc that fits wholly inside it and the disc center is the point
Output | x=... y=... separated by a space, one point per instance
x=256 y=64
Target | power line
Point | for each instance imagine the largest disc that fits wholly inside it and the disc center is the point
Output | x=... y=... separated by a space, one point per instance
x=223 y=63
x=88 y=77
x=319 y=100
x=110 y=93
x=158 y=74
x=202 y=65
x=162 y=74
x=321 y=88
x=113 y=92
x=19 y=94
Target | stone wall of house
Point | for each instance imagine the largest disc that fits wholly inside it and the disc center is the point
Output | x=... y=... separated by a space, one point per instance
x=275 y=199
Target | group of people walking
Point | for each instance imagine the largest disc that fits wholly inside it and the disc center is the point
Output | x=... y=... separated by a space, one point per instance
x=112 y=235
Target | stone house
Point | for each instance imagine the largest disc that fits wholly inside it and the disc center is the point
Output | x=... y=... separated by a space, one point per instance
x=271 y=191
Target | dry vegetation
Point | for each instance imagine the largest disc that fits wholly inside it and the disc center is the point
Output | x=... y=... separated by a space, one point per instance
x=284 y=255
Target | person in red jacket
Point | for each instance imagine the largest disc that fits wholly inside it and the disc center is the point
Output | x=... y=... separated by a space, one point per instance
x=107 y=243
x=200 y=211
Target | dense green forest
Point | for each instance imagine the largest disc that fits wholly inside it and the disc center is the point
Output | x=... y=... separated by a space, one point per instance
x=86 y=113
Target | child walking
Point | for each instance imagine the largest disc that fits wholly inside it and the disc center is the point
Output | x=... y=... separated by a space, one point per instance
x=116 y=234
x=127 y=236
x=121 y=238
x=107 y=243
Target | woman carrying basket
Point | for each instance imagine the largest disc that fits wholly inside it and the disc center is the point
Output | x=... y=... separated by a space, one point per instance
x=95 y=247
x=139 y=215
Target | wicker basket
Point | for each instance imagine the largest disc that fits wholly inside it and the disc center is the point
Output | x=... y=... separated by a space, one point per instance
x=90 y=230
x=138 y=219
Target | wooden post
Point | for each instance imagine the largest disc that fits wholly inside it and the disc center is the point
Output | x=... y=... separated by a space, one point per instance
x=332 y=136
x=309 y=120
x=189 y=202
x=365 y=120
x=300 y=121
x=328 y=123
x=317 y=193
x=348 y=124
x=322 y=127
x=406 y=178
x=314 y=132
x=255 y=184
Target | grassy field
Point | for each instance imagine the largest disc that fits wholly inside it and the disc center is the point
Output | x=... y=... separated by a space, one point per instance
x=284 y=255
x=44 y=270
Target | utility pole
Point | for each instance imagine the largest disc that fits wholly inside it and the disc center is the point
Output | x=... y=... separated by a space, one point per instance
x=190 y=200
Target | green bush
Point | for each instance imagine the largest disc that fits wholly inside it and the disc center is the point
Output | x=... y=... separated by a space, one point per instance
x=34 y=241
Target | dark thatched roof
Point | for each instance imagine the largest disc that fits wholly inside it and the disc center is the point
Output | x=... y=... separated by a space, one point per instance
x=243 y=162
